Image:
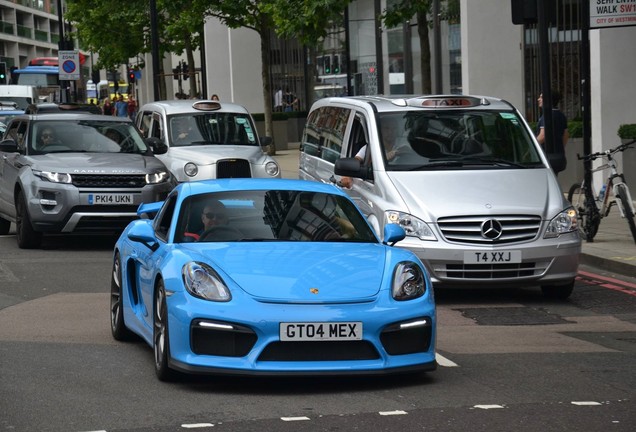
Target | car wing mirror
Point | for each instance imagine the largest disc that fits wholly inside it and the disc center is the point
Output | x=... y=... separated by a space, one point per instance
x=266 y=140
x=393 y=233
x=142 y=232
x=158 y=146
x=8 y=146
x=352 y=167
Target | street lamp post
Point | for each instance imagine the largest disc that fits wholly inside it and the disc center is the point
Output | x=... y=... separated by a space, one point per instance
x=154 y=35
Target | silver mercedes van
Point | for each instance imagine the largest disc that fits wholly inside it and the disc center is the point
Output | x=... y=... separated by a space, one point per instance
x=463 y=175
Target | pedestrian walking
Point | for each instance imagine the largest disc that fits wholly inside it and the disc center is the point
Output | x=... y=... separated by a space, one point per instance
x=560 y=134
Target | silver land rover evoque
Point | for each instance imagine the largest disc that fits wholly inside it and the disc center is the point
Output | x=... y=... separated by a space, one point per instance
x=76 y=173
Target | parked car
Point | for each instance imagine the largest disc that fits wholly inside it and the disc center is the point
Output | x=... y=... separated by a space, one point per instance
x=75 y=173
x=207 y=140
x=52 y=107
x=270 y=276
x=463 y=175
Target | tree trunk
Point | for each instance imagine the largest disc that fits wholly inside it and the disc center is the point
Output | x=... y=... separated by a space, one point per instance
x=267 y=90
x=425 y=49
x=191 y=70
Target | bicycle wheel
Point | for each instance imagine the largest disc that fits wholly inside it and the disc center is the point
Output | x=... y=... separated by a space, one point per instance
x=586 y=212
x=622 y=196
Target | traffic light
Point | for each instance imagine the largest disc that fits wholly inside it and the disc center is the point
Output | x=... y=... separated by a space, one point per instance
x=185 y=71
x=327 y=64
x=131 y=76
x=336 y=64
x=3 y=73
x=176 y=71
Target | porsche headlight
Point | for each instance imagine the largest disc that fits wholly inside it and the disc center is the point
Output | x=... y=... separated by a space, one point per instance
x=158 y=177
x=202 y=281
x=413 y=226
x=408 y=281
x=271 y=168
x=54 y=177
x=191 y=169
x=562 y=223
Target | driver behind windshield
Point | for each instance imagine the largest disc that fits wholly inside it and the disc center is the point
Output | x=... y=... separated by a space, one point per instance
x=214 y=214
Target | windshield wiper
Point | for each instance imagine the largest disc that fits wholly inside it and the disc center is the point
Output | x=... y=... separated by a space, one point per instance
x=493 y=161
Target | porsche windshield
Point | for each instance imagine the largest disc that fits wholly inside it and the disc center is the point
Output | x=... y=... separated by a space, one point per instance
x=271 y=215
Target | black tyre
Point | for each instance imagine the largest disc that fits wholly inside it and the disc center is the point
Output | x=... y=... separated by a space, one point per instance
x=4 y=226
x=117 y=324
x=160 y=339
x=27 y=237
x=558 y=292
x=622 y=196
x=588 y=215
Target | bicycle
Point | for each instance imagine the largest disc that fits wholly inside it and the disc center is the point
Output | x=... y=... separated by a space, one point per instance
x=592 y=207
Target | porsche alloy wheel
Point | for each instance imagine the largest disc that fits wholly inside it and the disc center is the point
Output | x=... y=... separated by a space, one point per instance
x=160 y=339
x=117 y=325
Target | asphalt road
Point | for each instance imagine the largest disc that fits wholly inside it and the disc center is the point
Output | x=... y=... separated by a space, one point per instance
x=509 y=360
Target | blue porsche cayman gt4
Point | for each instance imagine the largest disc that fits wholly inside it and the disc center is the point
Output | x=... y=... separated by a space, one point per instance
x=270 y=276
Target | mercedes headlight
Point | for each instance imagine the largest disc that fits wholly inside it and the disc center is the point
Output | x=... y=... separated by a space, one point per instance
x=203 y=282
x=408 y=281
x=191 y=169
x=54 y=177
x=158 y=177
x=562 y=223
x=414 y=227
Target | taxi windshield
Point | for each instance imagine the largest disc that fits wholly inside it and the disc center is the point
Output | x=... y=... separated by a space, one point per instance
x=456 y=138
x=220 y=128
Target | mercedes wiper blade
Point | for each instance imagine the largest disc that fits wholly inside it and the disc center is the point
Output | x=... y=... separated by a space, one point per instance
x=493 y=161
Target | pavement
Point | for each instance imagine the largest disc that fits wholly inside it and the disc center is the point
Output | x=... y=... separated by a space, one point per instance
x=613 y=249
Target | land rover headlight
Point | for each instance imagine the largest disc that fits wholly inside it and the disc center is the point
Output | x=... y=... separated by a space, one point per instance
x=158 y=177
x=54 y=177
x=271 y=168
x=408 y=281
x=191 y=169
x=414 y=227
x=202 y=281
x=562 y=223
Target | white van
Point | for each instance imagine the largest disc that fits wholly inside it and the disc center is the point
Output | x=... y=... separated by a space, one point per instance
x=463 y=175
x=22 y=95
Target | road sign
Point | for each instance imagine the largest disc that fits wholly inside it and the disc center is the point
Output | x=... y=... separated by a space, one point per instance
x=612 y=13
x=69 y=65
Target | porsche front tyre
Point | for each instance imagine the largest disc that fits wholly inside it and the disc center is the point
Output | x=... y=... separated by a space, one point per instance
x=117 y=325
x=160 y=339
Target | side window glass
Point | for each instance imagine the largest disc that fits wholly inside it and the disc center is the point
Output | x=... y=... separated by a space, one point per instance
x=156 y=128
x=358 y=139
x=333 y=132
x=144 y=123
x=20 y=136
x=311 y=136
x=164 y=218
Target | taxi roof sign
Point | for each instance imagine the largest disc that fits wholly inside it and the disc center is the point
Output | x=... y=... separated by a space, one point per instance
x=454 y=101
x=206 y=105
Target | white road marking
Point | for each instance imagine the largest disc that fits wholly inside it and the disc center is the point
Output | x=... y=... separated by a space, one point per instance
x=586 y=403
x=294 y=418
x=444 y=362
x=390 y=413
x=196 y=425
x=488 y=406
